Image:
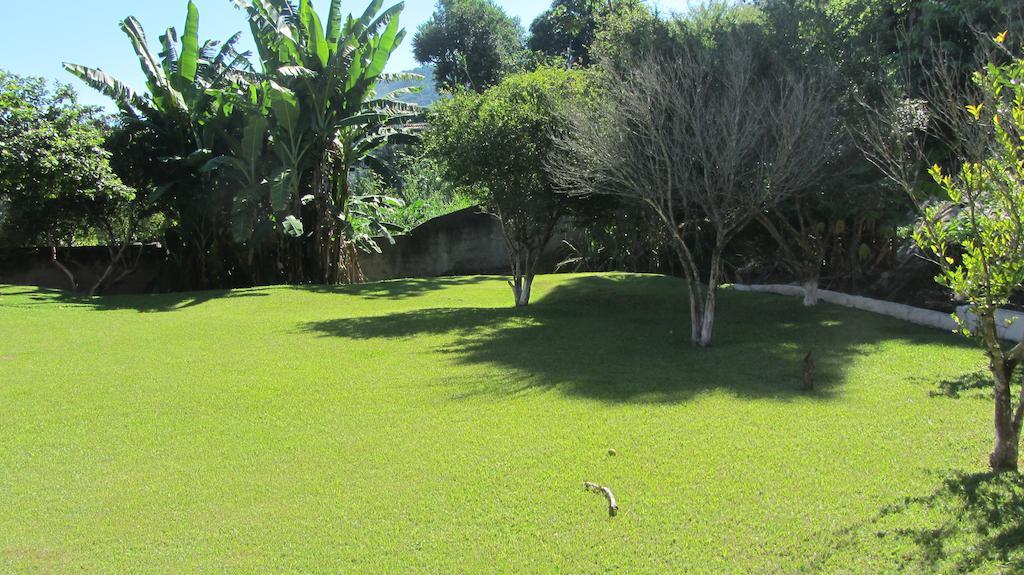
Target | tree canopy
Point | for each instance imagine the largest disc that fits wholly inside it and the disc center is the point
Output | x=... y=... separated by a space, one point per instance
x=496 y=144
x=471 y=43
x=569 y=28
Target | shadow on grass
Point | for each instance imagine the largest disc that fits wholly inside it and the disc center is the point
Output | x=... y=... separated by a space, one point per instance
x=971 y=523
x=148 y=303
x=399 y=288
x=622 y=339
x=973 y=384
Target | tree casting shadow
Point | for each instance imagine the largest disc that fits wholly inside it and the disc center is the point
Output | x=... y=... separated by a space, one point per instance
x=627 y=339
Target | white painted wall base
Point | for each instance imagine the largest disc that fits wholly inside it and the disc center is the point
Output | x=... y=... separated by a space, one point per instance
x=1010 y=325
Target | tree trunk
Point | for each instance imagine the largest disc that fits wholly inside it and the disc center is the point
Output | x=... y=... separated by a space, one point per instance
x=67 y=272
x=696 y=310
x=351 y=272
x=810 y=286
x=1005 y=453
x=117 y=255
x=524 y=268
x=707 y=326
x=516 y=283
x=707 y=319
x=523 y=299
x=694 y=289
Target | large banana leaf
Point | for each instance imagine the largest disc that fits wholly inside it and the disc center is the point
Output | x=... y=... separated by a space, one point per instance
x=188 y=64
x=120 y=93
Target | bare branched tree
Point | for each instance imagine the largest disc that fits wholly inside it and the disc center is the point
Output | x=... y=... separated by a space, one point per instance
x=707 y=140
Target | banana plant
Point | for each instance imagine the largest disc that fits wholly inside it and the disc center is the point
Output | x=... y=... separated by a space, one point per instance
x=178 y=80
x=179 y=114
x=326 y=119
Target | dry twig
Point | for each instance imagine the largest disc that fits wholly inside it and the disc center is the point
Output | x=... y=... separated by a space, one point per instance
x=613 y=505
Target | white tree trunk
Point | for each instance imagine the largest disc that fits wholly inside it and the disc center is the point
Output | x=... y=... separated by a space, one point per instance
x=707 y=327
x=524 y=294
x=516 y=283
x=811 y=292
x=707 y=322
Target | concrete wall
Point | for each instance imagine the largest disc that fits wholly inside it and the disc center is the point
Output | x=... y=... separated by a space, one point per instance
x=1010 y=325
x=460 y=243
x=33 y=267
x=467 y=242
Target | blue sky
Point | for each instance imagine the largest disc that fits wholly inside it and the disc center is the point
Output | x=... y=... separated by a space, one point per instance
x=40 y=34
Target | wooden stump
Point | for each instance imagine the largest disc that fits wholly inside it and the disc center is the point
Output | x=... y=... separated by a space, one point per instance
x=808 y=383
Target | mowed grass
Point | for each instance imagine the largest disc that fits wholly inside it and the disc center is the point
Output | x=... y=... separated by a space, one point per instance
x=424 y=426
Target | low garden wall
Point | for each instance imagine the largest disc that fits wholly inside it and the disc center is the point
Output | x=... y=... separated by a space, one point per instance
x=466 y=242
x=461 y=243
x=1010 y=327
x=32 y=267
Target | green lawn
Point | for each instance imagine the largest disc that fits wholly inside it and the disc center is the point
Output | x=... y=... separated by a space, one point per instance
x=423 y=426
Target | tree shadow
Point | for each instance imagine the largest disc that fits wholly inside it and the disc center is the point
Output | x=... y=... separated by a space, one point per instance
x=397 y=289
x=626 y=339
x=970 y=522
x=974 y=384
x=166 y=302
x=146 y=303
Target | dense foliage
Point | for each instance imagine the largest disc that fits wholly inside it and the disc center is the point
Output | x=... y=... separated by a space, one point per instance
x=57 y=188
x=253 y=162
x=496 y=144
x=569 y=28
x=472 y=44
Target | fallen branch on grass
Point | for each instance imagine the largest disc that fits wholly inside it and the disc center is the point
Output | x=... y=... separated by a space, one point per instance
x=613 y=506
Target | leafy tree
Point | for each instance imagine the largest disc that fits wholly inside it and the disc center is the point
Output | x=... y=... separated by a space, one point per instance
x=706 y=142
x=627 y=35
x=56 y=184
x=425 y=191
x=472 y=44
x=976 y=236
x=569 y=27
x=496 y=144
